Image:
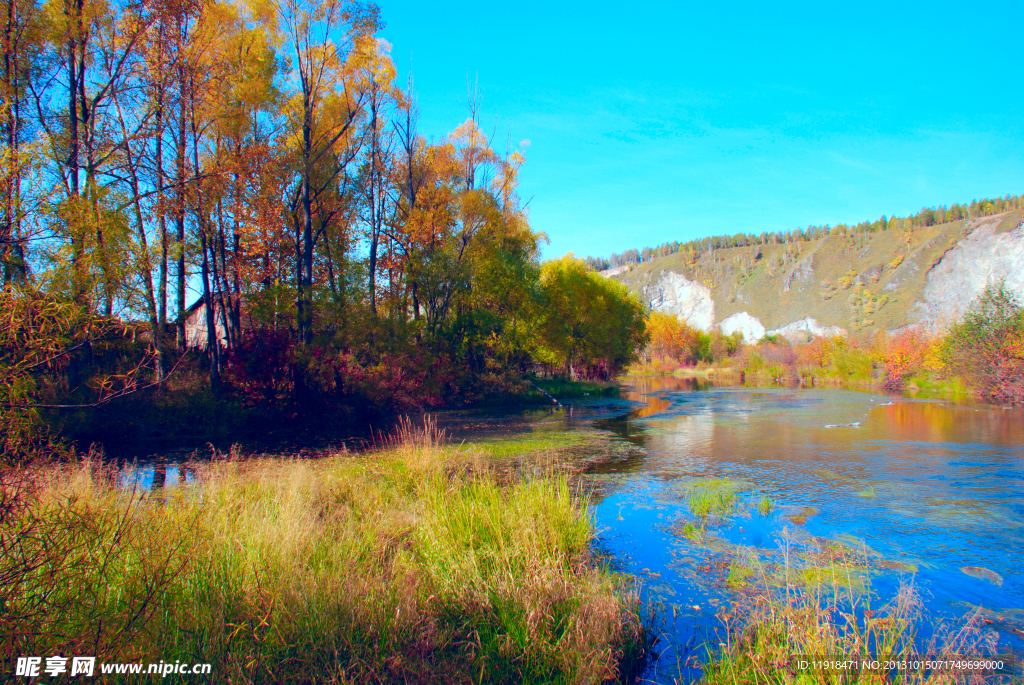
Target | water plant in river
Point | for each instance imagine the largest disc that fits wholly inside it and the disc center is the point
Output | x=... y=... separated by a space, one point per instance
x=713 y=497
x=706 y=499
x=816 y=604
x=765 y=505
x=403 y=565
x=692 y=532
x=800 y=518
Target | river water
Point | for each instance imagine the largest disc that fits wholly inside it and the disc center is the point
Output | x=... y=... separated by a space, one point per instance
x=931 y=492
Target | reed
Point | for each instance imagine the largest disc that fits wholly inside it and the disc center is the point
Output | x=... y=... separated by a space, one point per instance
x=398 y=566
x=817 y=603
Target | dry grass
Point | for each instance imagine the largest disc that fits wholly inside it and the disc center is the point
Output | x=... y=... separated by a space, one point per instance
x=817 y=603
x=406 y=565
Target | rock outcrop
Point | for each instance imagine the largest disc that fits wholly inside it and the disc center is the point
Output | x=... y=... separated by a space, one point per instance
x=742 y=322
x=802 y=273
x=868 y=282
x=983 y=257
x=688 y=300
x=615 y=271
x=805 y=329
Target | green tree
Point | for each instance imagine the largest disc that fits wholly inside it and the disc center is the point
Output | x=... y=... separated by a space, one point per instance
x=588 y=326
x=986 y=347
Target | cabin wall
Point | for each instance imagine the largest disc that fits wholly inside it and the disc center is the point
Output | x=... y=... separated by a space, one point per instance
x=195 y=329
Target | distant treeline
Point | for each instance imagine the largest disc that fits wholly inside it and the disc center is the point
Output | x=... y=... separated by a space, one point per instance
x=928 y=216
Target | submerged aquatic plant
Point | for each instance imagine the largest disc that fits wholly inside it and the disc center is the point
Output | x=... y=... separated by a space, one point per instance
x=692 y=532
x=801 y=517
x=714 y=497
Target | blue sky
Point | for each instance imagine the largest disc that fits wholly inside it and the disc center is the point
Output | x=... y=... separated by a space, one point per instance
x=658 y=122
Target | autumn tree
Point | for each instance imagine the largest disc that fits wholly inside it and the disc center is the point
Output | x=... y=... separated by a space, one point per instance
x=22 y=41
x=672 y=339
x=374 y=78
x=590 y=326
x=323 y=109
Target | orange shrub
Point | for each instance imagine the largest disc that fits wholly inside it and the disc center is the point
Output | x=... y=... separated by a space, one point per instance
x=904 y=354
x=670 y=338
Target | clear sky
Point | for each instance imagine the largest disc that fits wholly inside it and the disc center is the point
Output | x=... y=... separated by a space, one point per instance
x=669 y=121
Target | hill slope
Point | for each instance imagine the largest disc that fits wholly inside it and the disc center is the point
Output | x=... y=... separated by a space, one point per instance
x=855 y=282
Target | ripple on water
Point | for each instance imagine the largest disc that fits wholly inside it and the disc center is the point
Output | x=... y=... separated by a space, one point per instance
x=923 y=489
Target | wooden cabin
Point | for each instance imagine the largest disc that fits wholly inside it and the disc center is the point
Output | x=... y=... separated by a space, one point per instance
x=195 y=326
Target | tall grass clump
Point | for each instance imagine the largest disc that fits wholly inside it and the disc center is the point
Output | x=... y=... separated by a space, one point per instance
x=399 y=566
x=713 y=497
x=818 y=604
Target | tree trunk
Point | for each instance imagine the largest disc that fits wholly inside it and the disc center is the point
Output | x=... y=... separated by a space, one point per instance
x=212 y=341
x=180 y=209
x=72 y=10
x=221 y=277
x=11 y=249
x=202 y=225
x=147 y=266
x=305 y=270
x=161 y=207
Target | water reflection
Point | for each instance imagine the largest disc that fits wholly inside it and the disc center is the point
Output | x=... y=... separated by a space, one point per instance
x=156 y=475
x=929 y=486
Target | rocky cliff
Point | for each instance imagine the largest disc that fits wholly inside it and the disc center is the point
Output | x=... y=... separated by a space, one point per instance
x=837 y=284
x=985 y=256
x=692 y=302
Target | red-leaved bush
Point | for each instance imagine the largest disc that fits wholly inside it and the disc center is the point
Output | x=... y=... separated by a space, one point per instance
x=902 y=355
x=271 y=370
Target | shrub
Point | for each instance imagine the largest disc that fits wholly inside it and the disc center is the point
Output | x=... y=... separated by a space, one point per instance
x=986 y=347
x=902 y=356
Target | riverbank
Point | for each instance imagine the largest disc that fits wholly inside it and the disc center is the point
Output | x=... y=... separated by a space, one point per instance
x=188 y=415
x=416 y=563
x=918 y=387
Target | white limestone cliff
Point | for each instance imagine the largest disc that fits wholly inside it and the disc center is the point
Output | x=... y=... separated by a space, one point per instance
x=742 y=322
x=983 y=257
x=805 y=329
x=688 y=300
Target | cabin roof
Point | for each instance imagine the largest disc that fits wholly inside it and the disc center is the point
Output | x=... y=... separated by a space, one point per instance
x=195 y=305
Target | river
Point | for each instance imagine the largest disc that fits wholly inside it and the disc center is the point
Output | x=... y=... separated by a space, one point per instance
x=931 y=491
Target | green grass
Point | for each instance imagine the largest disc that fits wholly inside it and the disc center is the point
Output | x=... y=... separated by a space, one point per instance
x=528 y=444
x=408 y=565
x=714 y=497
x=765 y=506
x=741 y=571
x=563 y=389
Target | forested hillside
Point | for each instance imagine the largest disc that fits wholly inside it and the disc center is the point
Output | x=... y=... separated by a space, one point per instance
x=869 y=277
x=928 y=216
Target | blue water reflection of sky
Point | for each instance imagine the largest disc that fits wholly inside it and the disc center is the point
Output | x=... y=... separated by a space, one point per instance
x=927 y=488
